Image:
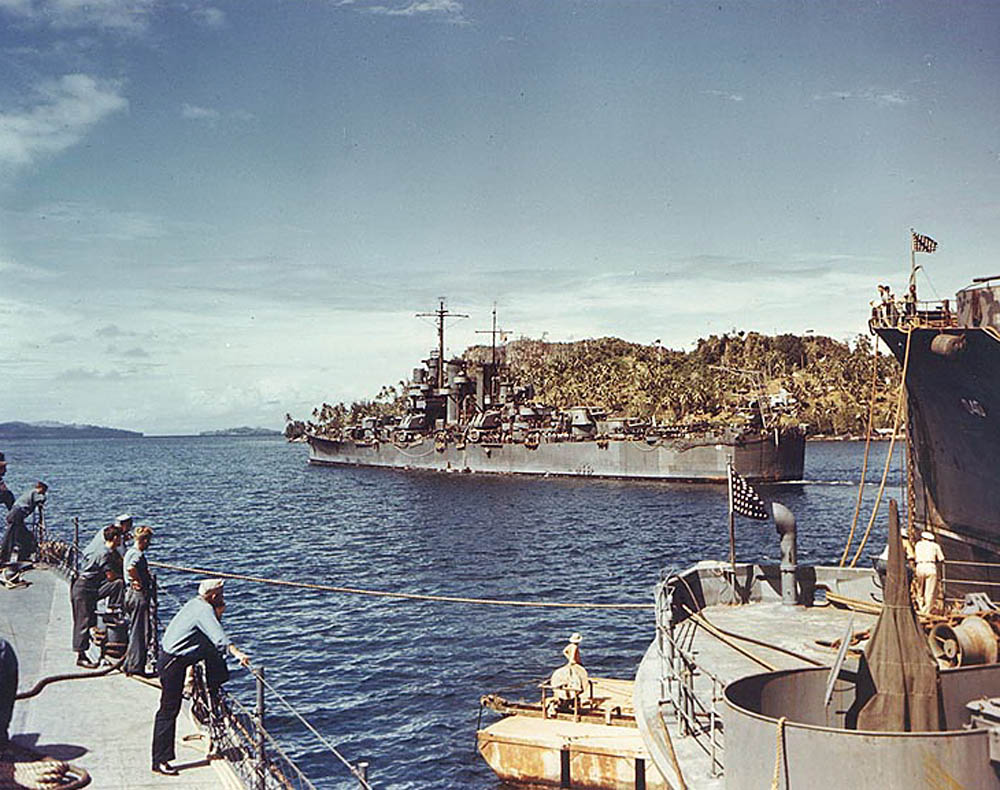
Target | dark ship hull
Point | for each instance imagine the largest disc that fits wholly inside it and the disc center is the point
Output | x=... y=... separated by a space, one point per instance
x=953 y=408
x=770 y=457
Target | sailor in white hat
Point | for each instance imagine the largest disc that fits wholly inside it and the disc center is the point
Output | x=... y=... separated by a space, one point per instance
x=124 y=523
x=194 y=634
x=927 y=554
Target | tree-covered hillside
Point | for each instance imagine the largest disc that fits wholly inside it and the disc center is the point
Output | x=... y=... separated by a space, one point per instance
x=828 y=383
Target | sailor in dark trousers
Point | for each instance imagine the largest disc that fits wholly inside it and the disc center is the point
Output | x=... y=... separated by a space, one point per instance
x=194 y=634
x=8 y=688
x=18 y=534
x=100 y=577
x=139 y=584
x=6 y=495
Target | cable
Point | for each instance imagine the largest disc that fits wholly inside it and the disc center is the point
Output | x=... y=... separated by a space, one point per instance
x=406 y=596
x=41 y=684
x=864 y=467
x=354 y=771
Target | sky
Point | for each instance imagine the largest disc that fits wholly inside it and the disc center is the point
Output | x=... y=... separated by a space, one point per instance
x=214 y=214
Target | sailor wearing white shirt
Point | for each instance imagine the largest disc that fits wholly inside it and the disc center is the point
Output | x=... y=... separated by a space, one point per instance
x=928 y=555
x=194 y=634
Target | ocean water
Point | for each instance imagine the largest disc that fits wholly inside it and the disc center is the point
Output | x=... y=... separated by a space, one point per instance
x=398 y=682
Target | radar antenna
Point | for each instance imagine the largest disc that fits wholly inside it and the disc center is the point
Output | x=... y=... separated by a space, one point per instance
x=440 y=314
x=494 y=332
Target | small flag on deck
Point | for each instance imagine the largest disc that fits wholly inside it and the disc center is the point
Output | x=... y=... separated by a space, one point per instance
x=744 y=500
x=923 y=243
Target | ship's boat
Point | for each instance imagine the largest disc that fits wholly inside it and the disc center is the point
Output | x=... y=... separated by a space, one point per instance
x=466 y=417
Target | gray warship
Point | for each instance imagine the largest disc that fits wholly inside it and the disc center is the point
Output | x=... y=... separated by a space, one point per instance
x=467 y=417
x=791 y=676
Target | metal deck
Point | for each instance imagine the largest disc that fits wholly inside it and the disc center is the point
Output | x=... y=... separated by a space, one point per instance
x=103 y=724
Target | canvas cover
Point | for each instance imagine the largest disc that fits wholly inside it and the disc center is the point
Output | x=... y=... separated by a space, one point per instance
x=897 y=661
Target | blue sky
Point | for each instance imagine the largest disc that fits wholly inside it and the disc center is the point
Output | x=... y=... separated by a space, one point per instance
x=214 y=214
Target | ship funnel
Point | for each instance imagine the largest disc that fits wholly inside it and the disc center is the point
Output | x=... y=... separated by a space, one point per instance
x=784 y=521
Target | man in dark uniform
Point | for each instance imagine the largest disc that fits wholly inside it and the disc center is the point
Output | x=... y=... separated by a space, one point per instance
x=8 y=688
x=194 y=634
x=100 y=577
x=6 y=495
x=18 y=534
x=138 y=589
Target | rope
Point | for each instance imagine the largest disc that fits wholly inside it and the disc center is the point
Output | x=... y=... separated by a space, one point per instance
x=864 y=467
x=673 y=755
x=892 y=444
x=699 y=618
x=406 y=596
x=37 y=688
x=354 y=771
x=779 y=754
x=726 y=640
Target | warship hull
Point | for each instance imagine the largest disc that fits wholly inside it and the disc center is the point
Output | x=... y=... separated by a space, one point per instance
x=953 y=414
x=770 y=457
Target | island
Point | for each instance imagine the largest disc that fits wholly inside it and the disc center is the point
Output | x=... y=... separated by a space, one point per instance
x=60 y=430
x=244 y=430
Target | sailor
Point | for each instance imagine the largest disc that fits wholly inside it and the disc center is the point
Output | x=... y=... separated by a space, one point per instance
x=569 y=682
x=17 y=533
x=100 y=577
x=8 y=688
x=928 y=555
x=124 y=523
x=194 y=634
x=6 y=495
x=138 y=589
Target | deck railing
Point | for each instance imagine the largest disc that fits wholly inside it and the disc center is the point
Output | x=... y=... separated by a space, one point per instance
x=897 y=314
x=695 y=710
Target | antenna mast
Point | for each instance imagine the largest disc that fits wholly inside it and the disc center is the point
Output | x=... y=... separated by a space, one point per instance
x=493 y=340
x=440 y=314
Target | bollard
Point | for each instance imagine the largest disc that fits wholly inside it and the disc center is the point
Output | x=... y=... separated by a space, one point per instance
x=261 y=754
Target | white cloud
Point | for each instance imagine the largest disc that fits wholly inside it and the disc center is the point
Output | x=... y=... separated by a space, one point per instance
x=210 y=17
x=193 y=112
x=892 y=98
x=127 y=16
x=737 y=97
x=64 y=111
x=449 y=9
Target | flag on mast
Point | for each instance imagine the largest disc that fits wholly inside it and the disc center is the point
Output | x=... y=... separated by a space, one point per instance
x=743 y=500
x=923 y=243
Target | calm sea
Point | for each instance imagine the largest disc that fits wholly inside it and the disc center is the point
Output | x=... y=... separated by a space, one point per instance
x=398 y=682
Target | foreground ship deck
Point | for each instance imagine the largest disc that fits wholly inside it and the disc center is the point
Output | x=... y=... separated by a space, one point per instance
x=103 y=725
x=731 y=696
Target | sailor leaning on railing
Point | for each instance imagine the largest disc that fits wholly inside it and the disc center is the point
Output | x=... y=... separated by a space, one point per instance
x=194 y=634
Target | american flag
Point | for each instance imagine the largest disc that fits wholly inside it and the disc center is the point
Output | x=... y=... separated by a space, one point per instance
x=744 y=500
x=923 y=243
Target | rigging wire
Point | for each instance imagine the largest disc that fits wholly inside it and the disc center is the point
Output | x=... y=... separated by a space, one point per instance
x=892 y=445
x=864 y=467
x=390 y=594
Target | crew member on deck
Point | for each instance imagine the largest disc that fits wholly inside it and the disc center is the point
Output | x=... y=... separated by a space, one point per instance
x=570 y=682
x=194 y=634
x=928 y=557
x=6 y=495
x=138 y=590
x=100 y=577
x=8 y=688
x=124 y=524
x=17 y=533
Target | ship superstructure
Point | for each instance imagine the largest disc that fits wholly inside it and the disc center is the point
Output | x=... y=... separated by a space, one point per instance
x=470 y=417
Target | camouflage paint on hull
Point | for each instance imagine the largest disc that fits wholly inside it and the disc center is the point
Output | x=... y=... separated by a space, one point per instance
x=771 y=457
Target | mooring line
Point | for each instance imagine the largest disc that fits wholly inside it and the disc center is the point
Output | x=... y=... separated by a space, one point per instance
x=389 y=594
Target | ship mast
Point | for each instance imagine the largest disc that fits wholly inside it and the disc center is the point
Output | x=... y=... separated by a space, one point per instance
x=493 y=342
x=440 y=314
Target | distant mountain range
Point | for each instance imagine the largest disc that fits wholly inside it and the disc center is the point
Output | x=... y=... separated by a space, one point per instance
x=244 y=430
x=61 y=430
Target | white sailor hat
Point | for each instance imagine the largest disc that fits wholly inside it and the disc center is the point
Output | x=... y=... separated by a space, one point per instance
x=123 y=517
x=576 y=638
x=927 y=535
x=205 y=586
